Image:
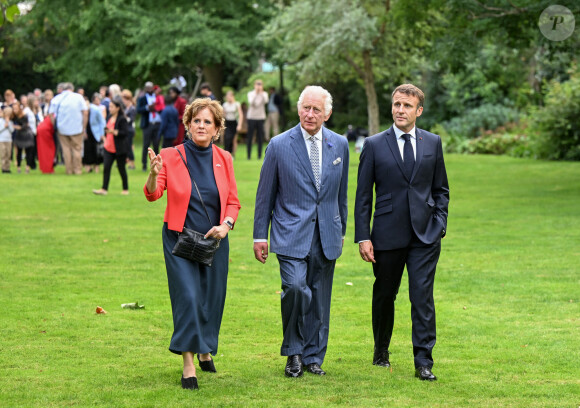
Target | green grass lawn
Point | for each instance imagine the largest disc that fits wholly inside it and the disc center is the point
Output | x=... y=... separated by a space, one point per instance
x=506 y=293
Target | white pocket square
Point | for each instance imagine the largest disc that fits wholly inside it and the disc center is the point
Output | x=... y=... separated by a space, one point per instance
x=218 y=165
x=338 y=160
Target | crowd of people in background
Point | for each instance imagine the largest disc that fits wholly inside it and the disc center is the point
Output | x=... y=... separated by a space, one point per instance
x=76 y=130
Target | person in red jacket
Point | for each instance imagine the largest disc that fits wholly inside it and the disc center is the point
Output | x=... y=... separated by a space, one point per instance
x=179 y=103
x=197 y=291
x=159 y=99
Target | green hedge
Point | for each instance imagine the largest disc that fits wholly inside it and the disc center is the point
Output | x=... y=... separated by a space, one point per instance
x=557 y=123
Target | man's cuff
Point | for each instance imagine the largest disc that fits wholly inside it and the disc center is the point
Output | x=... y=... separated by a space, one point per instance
x=363 y=240
x=260 y=240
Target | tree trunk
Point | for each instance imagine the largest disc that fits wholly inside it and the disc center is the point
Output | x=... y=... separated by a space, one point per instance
x=215 y=76
x=372 y=102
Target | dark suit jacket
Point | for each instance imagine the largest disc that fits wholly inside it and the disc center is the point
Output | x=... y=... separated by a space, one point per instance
x=425 y=196
x=143 y=111
x=169 y=122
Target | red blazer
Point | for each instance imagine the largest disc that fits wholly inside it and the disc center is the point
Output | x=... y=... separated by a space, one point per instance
x=179 y=190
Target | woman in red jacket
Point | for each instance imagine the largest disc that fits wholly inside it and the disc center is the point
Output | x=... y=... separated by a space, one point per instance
x=197 y=291
x=116 y=146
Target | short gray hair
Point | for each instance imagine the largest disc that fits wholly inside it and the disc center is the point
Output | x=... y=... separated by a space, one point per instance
x=315 y=89
x=68 y=86
x=114 y=90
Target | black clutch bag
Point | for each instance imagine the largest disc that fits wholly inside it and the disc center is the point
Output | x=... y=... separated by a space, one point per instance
x=191 y=244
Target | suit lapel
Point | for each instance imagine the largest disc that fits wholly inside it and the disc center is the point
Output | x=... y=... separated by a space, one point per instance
x=219 y=175
x=419 y=152
x=392 y=142
x=299 y=147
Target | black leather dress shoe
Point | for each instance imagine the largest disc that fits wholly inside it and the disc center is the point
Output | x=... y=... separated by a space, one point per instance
x=207 y=365
x=315 y=369
x=425 y=374
x=294 y=366
x=189 y=383
x=382 y=359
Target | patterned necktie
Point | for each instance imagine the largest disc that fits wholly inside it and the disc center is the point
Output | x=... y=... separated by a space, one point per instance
x=408 y=156
x=315 y=161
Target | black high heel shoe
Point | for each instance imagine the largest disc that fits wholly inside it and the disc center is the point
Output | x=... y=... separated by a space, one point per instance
x=207 y=365
x=189 y=383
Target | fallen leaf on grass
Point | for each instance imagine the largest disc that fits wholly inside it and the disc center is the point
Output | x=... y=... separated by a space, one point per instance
x=105 y=240
x=100 y=310
x=525 y=345
x=278 y=292
x=135 y=305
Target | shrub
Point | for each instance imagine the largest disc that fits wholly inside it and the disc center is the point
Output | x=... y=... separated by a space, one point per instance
x=557 y=123
x=499 y=143
x=476 y=121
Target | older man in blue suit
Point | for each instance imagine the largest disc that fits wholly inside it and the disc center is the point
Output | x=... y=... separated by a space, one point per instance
x=405 y=166
x=302 y=195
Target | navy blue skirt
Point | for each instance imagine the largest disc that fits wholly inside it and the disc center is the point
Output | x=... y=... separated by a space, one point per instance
x=198 y=294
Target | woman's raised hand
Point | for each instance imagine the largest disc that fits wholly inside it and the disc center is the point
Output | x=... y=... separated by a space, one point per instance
x=156 y=162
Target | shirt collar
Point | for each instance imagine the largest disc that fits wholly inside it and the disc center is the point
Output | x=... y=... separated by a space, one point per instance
x=307 y=136
x=399 y=132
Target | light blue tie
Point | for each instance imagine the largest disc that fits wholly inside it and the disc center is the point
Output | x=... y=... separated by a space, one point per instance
x=315 y=161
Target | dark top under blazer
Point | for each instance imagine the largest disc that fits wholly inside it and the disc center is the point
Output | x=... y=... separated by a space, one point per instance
x=288 y=200
x=425 y=195
x=122 y=138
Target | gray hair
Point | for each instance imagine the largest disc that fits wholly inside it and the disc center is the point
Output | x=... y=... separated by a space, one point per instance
x=114 y=90
x=68 y=86
x=315 y=89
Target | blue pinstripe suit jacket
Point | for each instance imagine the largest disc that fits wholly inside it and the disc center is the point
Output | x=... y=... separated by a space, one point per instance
x=288 y=200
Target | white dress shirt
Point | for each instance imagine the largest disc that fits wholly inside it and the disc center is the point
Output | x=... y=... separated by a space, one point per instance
x=69 y=117
x=401 y=141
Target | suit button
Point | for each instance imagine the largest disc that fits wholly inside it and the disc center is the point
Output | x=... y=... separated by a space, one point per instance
x=313 y=220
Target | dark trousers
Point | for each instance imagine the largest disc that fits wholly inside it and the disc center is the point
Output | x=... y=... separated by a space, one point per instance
x=131 y=154
x=58 y=157
x=150 y=137
x=108 y=160
x=167 y=142
x=305 y=302
x=421 y=261
x=256 y=126
x=30 y=160
x=230 y=134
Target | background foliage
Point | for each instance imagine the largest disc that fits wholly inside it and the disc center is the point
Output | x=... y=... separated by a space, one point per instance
x=484 y=65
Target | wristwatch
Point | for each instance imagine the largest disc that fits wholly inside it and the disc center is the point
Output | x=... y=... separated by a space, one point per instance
x=229 y=224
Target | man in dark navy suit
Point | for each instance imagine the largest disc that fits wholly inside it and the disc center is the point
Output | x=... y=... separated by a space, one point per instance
x=406 y=167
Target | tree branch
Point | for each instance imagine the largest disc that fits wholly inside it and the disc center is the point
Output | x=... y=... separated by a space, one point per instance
x=384 y=25
x=496 y=12
x=355 y=66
